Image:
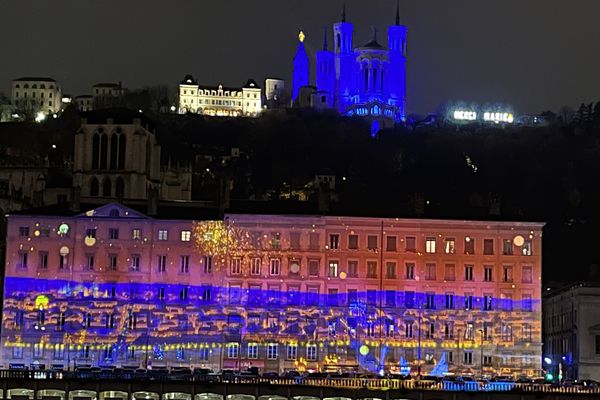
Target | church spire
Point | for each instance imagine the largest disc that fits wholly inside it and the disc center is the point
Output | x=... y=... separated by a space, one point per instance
x=325 y=38
x=397 y=12
x=344 y=12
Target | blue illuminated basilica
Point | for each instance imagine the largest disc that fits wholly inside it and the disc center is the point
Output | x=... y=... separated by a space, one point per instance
x=368 y=81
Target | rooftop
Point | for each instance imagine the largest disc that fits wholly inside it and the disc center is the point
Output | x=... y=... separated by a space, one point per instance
x=121 y=116
x=36 y=79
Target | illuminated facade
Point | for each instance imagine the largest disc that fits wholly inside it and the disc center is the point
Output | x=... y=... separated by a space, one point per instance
x=112 y=286
x=368 y=81
x=36 y=95
x=220 y=101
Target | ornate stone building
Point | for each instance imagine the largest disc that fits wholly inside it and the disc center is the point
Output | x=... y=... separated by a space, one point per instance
x=36 y=94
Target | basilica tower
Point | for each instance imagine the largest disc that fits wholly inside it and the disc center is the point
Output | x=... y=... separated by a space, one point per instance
x=397 y=76
x=325 y=78
x=344 y=62
x=301 y=68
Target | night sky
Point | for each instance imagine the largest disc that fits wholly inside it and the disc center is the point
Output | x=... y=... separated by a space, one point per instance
x=533 y=54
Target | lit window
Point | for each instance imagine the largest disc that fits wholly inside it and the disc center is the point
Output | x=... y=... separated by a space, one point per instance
x=449 y=247
x=410 y=271
x=186 y=236
x=275 y=266
x=255 y=266
x=236 y=266
x=136 y=234
x=430 y=245
x=311 y=352
x=184 y=266
x=233 y=350
x=292 y=351
x=333 y=269
x=253 y=351
x=163 y=234
x=135 y=263
x=272 y=351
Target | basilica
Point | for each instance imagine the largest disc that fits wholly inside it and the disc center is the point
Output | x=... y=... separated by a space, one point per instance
x=368 y=80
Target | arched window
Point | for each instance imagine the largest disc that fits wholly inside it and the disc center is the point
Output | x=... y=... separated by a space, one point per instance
x=114 y=213
x=94 y=187
x=114 y=149
x=103 y=151
x=120 y=188
x=122 y=151
x=106 y=188
x=95 y=151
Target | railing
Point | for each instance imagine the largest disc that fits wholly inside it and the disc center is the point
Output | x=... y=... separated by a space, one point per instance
x=342 y=383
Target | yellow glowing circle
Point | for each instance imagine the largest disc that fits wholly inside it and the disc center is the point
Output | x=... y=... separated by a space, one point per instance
x=343 y=275
x=41 y=301
x=89 y=241
x=89 y=213
x=519 y=240
x=467 y=239
x=364 y=350
x=63 y=229
x=294 y=267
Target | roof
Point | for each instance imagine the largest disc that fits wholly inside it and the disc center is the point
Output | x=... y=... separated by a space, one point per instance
x=123 y=116
x=189 y=80
x=84 y=96
x=251 y=84
x=373 y=44
x=112 y=85
x=37 y=78
x=223 y=88
x=569 y=287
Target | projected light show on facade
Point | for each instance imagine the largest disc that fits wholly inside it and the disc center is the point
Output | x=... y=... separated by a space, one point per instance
x=113 y=287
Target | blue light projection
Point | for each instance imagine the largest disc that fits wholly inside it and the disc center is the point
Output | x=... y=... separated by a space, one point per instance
x=156 y=319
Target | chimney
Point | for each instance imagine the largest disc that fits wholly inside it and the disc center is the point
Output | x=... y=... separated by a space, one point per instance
x=75 y=199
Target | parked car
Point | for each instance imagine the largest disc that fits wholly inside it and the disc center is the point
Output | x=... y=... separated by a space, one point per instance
x=270 y=375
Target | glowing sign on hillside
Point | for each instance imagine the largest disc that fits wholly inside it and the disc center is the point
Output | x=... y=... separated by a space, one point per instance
x=462 y=115
x=498 y=117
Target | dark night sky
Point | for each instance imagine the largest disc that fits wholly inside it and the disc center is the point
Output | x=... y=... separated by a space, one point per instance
x=533 y=54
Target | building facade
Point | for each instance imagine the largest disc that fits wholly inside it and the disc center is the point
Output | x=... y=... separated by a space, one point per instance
x=218 y=100
x=117 y=156
x=367 y=81
x=572 y=332
x=112 y=286
x=35 y=94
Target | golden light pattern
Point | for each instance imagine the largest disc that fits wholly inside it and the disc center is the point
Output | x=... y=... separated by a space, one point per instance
x=219 y=239
x=301 y=37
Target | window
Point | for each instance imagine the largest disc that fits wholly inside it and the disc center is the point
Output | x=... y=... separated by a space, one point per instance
x=275 y=266
x=183 y=294
x=312 y=295
x=430 y=245
x=24 y=231
x=526 y=334
x=526 y=248
x=506 y=333
x=136 y=234
x=449 y=246
x=292 y=351
x=43 y=260
x=390 y=243
x=163 y=234
x=506 y=301
x=487 y=302
x=488 y=273
x=449 y=301
x=206 y=294
x=449 y=272
x=311 y=352
x=113 y=233
x=430 y=301
x=333 y=269
x=160 y=294
x=207 y=264
x=371 y=269
x=87 y=319
x=90 y=233
x=469 y=245
x=255 y=266
x=411 y=244
x=162 y=263
x=430 y=271
x=448 y=330
x=23 y=258
x=89 y=265
x=59 y=351
x=526 y=302
x=135 y=263
x=410 y=271
x=17 y=352
x=236 y=266
x=295 y=240
x=353 y=269
x=507 y=273
x=253 y=351
x=408 y=329
x=60 y=321
x=527 y=275
x=353 y=242
x=62 y=261
x=113 y=262
x=468 y=301
x=313 y=241
x=186 y=236
x=488 y=330
x=184 y=266
x=38 y=350
x=507 y=247
x=275 y=240
x=204 y=354
x=470 y=331
x=468 y=272
x=233 y=350
x=109 y=320
x=390 y=268
x=409 y=299
x=372 y=242
x=468 y=357
x=334 y=241
x=272 y=350
x=371 y=296
x=488 y=247
x=487 y=361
